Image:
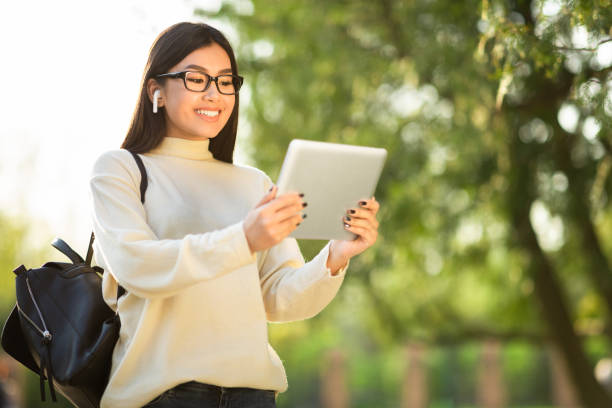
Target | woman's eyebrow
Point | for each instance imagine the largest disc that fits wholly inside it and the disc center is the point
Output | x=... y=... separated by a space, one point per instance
x=199 y=68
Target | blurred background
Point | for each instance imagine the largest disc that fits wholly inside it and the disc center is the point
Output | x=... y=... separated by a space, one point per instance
x=491 y=282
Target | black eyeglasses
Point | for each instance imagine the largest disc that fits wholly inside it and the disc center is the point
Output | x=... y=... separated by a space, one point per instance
x=197 y=81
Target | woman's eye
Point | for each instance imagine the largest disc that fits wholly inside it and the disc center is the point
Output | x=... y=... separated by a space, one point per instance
x=226 y=83
x=196 y=80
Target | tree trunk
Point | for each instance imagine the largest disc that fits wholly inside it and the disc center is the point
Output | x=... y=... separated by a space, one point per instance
x=415 y=391
x=547 y=288
x=334 y=390
x=563 y=391
x=490 y=391
x=580 y=210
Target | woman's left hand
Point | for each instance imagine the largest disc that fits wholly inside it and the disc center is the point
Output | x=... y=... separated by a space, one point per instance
x=361 y=221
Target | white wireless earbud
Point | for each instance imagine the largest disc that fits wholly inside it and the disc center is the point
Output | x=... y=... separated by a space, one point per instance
x=155 y=96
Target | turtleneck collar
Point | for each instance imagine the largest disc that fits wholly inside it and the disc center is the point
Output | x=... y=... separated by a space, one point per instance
x=184 y=148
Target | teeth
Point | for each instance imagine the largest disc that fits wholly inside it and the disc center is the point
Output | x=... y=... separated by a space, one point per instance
x=207 y=112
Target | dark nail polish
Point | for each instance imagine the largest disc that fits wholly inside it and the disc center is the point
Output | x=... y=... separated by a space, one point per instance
x=348 y=218
x=352 y=211
x=301 y=194
x=304 y=204
x=362 y=203
x=304 y=216
x=298 y=224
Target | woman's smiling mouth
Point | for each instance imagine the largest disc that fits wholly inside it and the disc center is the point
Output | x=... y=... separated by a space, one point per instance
x=208 y=113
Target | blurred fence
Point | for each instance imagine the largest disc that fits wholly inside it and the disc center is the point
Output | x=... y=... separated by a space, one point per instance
x=491 y=390
x=488 y=375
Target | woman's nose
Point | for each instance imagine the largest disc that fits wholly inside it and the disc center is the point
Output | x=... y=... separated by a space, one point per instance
x=212 y=92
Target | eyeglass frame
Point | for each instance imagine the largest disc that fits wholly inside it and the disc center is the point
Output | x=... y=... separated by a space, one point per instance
x=215 y=79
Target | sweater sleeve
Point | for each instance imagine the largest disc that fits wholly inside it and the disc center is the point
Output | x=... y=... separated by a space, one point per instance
x=129 y=249
x=294 y=290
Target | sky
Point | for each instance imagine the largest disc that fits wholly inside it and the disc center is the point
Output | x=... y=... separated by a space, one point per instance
x=71 y=73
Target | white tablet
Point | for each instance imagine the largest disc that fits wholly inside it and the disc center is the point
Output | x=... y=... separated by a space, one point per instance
x=334 y=178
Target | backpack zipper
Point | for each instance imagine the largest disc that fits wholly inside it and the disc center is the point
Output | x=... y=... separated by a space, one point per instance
x=45 y=360
x=46 y=334
x=21 y=312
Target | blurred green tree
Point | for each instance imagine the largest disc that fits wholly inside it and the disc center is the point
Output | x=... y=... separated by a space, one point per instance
x=14 y=251
x=496 y=115
x=14 y=233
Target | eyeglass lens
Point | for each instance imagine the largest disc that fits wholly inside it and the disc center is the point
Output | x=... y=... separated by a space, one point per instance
x=199 y=82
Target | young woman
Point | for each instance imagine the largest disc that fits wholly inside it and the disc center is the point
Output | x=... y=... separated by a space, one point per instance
x=206 y=261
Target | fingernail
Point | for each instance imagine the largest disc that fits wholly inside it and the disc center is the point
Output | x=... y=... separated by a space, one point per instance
x=270 y=189
x=352 y=211
x=348 y=218
x=301 y=194
x=298 y=224
x=304 y=216
x=347 y=226
x=362 y=203
x=304 y=204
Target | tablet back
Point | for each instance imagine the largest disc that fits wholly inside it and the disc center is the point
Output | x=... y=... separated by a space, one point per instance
x=334 y=178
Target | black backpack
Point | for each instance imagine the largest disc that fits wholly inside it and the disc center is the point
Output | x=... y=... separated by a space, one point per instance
x=61 y=328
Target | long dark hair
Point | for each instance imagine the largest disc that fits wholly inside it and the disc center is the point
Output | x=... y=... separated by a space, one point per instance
x=176 y=42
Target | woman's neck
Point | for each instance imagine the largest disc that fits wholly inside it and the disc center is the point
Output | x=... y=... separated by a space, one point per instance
x=193 y=149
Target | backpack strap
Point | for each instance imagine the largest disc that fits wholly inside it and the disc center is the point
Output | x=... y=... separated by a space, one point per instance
x=65 y=249
x=90 y=250
x=144 y=182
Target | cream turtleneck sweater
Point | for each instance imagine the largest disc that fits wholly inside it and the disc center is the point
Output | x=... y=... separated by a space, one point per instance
x=197 y=302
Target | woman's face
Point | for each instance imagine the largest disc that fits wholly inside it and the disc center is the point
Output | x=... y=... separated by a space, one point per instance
x=196 y=115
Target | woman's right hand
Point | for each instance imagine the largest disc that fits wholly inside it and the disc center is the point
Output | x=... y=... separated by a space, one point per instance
x=273 y=219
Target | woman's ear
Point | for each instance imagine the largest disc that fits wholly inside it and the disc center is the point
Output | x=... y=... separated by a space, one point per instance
x=152 y=87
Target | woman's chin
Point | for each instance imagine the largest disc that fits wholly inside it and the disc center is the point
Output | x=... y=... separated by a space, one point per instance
x=208 y=134
x=201 y=135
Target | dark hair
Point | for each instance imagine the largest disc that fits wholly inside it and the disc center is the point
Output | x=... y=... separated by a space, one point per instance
x=147 y=129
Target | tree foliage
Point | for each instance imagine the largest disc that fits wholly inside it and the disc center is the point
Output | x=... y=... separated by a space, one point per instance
x=497 y=116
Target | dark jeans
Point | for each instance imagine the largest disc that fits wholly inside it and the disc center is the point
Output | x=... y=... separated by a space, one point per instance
x=197 y=395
